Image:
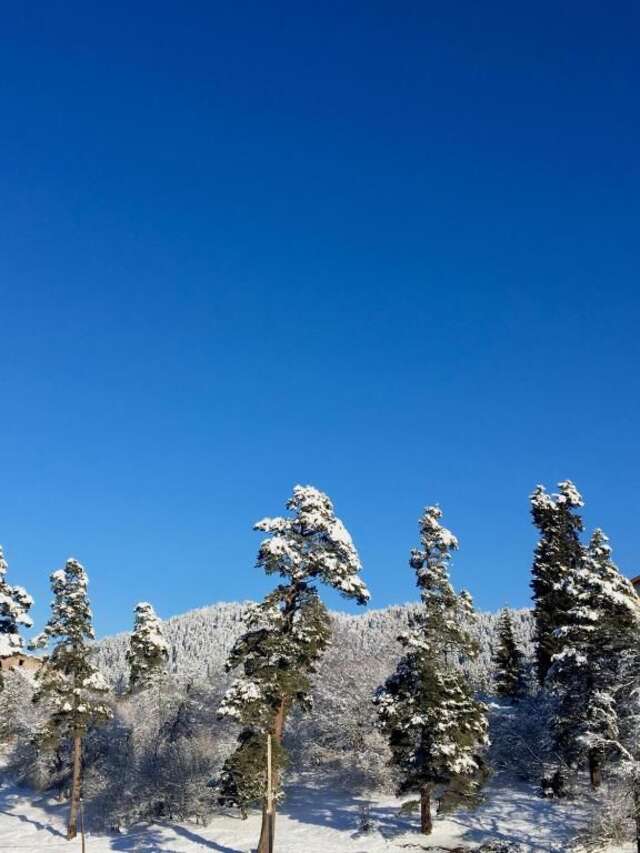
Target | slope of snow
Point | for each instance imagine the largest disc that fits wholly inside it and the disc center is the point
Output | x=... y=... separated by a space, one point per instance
x=311 y=820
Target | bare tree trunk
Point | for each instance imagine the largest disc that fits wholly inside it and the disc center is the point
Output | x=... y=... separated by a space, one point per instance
x=636 y=804
x=426 y=823
x=268 y=827
x=595 y=770
x=72 y=829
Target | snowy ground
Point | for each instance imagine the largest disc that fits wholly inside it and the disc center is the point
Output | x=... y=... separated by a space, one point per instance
x=312 y=821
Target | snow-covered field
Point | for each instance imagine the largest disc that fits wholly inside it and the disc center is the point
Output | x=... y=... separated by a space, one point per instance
x=311 y=821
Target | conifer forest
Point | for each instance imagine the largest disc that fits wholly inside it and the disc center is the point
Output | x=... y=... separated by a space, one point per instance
x=279 y=725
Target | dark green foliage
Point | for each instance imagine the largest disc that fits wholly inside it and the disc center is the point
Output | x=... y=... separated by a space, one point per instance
x=509 y=662
x=148 y=652
x=241 y=782
x=558 y=551
x=69 y=683
x=15 y=604
x=286 y=636
x=599 y=628
x=435 y=727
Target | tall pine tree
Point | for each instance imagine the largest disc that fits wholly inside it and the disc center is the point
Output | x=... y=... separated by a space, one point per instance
x=601 y=624
x=558 y=552
x=69 y=683
x=286 y=635
x=436 y=728
x=148 y=652
x=15 y=604
x=628 y=746
x=509 y=661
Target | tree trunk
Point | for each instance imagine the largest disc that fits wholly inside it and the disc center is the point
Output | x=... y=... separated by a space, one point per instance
x=268 y=828
x=426 y=824
x=558 y=783
x=595 y=770
x=636 y=804
x=72 y=829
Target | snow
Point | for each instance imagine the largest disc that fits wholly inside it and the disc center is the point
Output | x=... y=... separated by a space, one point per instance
x=10 y=644
x=313 y=820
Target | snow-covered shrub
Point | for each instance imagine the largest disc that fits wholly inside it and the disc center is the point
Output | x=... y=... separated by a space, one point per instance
x=611 y=822
x=520 y=741
x=19 y=717
x=155 y=758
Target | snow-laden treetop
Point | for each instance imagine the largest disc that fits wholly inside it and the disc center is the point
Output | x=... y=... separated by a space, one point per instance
x=440 y=625
x=567 y=495
x=15 y=604
x=313 y=543
x=148 y=627
x=597 y=583
x=70 y=611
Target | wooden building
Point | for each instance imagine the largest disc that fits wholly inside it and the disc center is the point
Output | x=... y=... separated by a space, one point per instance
x=25 y=663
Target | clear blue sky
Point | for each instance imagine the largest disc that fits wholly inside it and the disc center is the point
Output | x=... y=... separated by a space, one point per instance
x=389 y=249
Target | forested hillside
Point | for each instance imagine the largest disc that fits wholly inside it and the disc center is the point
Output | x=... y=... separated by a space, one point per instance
x=363 y=647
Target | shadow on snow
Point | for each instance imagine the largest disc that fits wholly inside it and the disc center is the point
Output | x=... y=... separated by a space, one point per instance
x=8 y=795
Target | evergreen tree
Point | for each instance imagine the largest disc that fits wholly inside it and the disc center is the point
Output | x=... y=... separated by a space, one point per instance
x=435 y=727
x=148 y=652
x=285 y=637
x=558 y=551
x=601 y=625
x=15 y=604
x=628 y=744
x=69 y=683
x=509 y=661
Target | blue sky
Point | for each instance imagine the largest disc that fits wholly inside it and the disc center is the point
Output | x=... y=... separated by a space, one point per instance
x=387 y=249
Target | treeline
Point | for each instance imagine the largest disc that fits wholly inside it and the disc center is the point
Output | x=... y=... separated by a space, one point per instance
x=402 y=697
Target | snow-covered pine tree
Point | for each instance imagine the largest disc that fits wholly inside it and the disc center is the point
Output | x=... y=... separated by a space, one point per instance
x=148 y=652
x=285 y=637
x=435 y=727
x=509 y=661
x=557 y=552
x=628 y=745
x=15 y=604
x=69 y=683
x=598 y=630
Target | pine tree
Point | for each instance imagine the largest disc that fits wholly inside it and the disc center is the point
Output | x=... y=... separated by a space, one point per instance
x=15 y=604
x=285 y=637
x=148 y=652
x=435 y=727
x=69 y=683
x=509 y=661
x=558 y=551
x=602 y=623
x=628 y=744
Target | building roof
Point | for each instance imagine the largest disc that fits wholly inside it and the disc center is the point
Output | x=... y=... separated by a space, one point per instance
x=20 y=659
x=636 y=582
